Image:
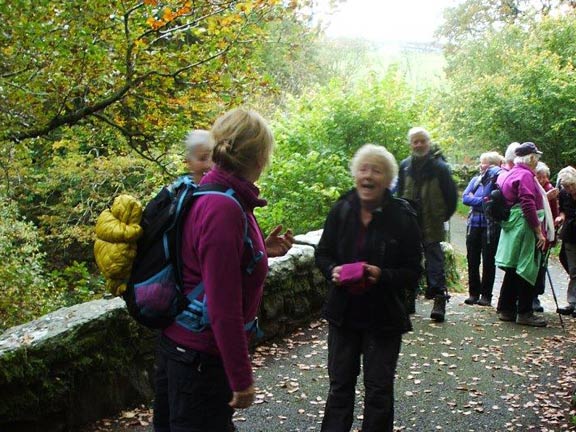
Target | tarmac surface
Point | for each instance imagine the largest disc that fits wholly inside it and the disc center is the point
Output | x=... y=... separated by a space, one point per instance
x=470 y=373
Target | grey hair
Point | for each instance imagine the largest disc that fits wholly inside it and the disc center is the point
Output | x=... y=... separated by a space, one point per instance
x=541 y=167
x=492 y=157
x=381 y=155
x=526 y=159
x=567 y=176
x=510 y=154
x=418 y=130
x=197 y=138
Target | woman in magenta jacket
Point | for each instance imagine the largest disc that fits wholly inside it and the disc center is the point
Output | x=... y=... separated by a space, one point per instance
x=203 y=376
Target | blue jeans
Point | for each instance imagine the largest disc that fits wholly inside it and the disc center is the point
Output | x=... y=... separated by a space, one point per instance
x=192 y=391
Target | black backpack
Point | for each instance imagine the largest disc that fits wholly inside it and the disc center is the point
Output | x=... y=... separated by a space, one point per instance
x=494 y=204
x=154 y=291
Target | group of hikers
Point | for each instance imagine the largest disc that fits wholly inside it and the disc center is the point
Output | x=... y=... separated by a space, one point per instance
x=539 y=215
x=374 y=241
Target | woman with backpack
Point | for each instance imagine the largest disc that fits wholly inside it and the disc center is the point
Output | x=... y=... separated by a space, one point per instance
x=202 y=376
x=370 y=251
x=481 y=234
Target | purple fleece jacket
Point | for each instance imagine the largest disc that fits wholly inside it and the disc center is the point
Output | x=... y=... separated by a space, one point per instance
x=520 y=186
x=214 y=252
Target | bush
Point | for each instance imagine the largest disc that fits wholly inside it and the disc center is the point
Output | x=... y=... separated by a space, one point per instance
x=317 y=137
x=25 y=288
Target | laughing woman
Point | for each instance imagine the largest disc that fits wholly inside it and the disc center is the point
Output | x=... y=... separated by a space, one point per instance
x=369 y=251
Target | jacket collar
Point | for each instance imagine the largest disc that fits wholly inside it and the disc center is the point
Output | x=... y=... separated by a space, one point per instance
x=247 y=191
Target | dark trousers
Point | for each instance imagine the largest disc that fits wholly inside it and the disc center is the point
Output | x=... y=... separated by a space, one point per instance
x=379 y=354
x=435 y=276
x=540 y=285
x=516 y=294
x=192 y=391
x=481 y=245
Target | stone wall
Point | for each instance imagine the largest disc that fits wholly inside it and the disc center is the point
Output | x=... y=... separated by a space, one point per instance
x=91 y=360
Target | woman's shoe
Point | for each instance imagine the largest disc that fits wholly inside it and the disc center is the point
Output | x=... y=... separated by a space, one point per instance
x=529 y=319
x=566 y=310
x=536 y=306
x=472 y=300
x=484 y=301
x=506 y=316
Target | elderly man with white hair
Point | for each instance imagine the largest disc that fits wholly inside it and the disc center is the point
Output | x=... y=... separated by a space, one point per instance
x=426 y=181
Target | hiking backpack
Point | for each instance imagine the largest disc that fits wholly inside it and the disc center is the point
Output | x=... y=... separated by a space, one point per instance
x=154 y=294
x=494 y=204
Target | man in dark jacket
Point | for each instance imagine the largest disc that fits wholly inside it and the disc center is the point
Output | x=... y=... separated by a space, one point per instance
x=425 y=179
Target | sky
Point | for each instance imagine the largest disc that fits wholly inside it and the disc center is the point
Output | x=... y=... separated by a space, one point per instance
x=388 y=20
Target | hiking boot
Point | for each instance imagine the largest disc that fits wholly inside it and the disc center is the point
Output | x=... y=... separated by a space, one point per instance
x=439 y=308
x=484 y=301
x=472 y=300
x=566 y=310
x=536 y=306
x=529 y=319
x=506 y=316
x=428 y=295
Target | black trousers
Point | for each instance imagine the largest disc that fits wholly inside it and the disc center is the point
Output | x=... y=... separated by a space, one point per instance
x=481 y=246
x=379 y=353
x=192 y=391
x=434 y=263
x=516 y=294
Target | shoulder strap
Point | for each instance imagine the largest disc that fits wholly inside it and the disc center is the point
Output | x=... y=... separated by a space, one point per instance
x=216 y=189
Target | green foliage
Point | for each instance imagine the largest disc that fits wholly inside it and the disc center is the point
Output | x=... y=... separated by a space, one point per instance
x=301 y=189
x=76 y=284
x=518 y=85
x=317 y=135
x=24 y=285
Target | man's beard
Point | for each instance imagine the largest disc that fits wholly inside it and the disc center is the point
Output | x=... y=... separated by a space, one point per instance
x=420 y=153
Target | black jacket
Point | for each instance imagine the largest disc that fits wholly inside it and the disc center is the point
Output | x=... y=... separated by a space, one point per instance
x=394 y=245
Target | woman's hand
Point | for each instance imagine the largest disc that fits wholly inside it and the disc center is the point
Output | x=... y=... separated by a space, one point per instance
x=278 y=245
x=552 y=193
x=559 y=219
x=243 y=399
x=336 y=275
x=540 y=240
x=373 y=273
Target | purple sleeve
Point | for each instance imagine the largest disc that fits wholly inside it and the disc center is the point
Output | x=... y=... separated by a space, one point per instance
x=220 y=249
x=527 y=196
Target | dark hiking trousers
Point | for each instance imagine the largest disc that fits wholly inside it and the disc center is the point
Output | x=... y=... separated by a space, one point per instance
x=516 y=294
x=480 y=247
x=434 y=262
x=379 y=353
x=192 y=391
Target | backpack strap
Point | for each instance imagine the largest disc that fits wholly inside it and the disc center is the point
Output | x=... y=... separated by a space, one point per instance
x=230 y=193
x=195 y=316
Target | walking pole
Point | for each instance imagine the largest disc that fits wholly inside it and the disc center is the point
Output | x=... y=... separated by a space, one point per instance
x=555 y=299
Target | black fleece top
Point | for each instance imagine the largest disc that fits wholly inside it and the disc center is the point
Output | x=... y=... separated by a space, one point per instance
x=392 y=242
